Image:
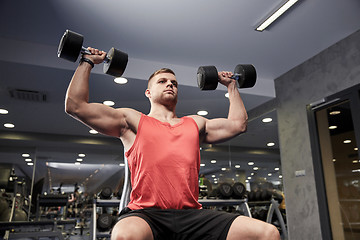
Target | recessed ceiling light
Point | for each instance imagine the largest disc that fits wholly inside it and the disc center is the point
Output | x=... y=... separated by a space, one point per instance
x=25 y=155
x=249 y=178
x=267 y=120
x=213 y=176
x=333 y=127
x=92 y=131
x=255 y=168
x=356 y=149
x=120 y=80
x=250 y=163
x=334 y=160
x=355 y=161
x=122 y=164
x=269 y=174
x=270 y=144
x=202 y=113
x=30 y=164
x=9 y=125
x=347 y=141
x=276 y=169
x=81 y=155
x=77 y=163
x=252 y=174
x=79 y=159
x=227 y=95
x=3 y=111
x=237 y=166
x=213 y=161
x=28 y=160
x=280 y=176
x=109 y=103
x=335 y=112
x=223 y=169
x=202 y=164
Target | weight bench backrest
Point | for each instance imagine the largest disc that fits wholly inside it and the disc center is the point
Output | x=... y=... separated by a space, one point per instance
x=125 y=196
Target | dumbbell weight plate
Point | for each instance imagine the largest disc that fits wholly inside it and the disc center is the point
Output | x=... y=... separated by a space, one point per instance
x=70 y=46
x=104 y=222
x=116 y=64
x=207 y=77
x=225 y=190
x=239 y=190
x=247 y=75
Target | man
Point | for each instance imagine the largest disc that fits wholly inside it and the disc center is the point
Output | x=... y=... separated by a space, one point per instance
x=164 y=158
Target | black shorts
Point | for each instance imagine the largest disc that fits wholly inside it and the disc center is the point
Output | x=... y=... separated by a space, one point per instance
x=185 y=224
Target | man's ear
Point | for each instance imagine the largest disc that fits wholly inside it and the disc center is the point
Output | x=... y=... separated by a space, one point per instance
x=147 y=93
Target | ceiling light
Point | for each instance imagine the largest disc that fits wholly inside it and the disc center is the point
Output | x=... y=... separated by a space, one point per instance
x=77 y=163
x=267 y=120
x=122 y=164
x=227 y=95
x=92 y=131
x=355 y=161
x=120 y=80
x=9 y=125
x=25 y=155
x=334 y=160
x=356 y=149
x=81 y=155
x=79 y=159
x=347 y=141
x=269 y=174
x=252 y=174
x=237 y=166
x=213 y=176
x=109 y=103
x=213 y=161
x=270 y=144
x=250 y=163
x=335 y=112
x=223 y=169
x=255 y=168
x=332 y=127
x=280 y=176
x=202 y=164
x=28 y=160
x=276 y=169
x=3 y=111
x=275 y=15
x=30 y=164
x=249 y=178
x=202 y=113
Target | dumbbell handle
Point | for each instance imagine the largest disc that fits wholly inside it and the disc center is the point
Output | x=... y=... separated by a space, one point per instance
x=84 y=50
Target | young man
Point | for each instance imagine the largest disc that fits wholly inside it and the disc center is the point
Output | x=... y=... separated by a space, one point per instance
x=164 y=158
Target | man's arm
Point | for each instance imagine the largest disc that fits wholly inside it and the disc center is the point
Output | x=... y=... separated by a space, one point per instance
x=104 y=119
x=223 y=129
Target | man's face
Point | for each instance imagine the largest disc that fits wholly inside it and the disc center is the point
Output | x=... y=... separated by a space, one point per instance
x=163 y=88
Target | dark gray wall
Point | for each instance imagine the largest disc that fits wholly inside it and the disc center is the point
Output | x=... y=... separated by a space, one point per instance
x=331 y=71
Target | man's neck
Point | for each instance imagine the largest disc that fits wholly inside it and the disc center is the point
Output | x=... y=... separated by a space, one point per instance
x=162 y=113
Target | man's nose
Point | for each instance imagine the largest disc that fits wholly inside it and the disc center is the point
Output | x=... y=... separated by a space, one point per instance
x=169 y=83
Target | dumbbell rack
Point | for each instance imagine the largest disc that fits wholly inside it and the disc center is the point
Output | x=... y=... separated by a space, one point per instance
x=273 y=208
x=101 y=203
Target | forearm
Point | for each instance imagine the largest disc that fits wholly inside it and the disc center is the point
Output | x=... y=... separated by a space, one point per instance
x=237 y=111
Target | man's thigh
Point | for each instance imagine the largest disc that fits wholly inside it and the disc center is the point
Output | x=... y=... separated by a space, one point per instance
x=132 y=227
x=249 y=228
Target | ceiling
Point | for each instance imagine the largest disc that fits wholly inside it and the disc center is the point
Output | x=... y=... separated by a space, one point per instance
x=181 y=35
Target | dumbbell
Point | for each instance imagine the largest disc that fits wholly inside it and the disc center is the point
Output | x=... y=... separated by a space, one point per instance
x=71 y=46
x=244 y=74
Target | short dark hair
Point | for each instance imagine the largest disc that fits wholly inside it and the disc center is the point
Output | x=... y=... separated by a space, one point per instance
x=161 y=70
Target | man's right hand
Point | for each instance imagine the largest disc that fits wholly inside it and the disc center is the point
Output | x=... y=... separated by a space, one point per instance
x=96 y=56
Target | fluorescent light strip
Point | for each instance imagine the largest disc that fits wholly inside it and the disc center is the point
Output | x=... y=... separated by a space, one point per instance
x=275 y=15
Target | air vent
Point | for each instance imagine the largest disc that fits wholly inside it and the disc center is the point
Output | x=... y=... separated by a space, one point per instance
x=28 y=95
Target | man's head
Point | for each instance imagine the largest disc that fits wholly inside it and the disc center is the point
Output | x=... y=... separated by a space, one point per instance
x=162 y=87
x=162 y=70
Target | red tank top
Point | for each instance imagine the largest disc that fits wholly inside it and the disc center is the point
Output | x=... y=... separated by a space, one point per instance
x=164 y=163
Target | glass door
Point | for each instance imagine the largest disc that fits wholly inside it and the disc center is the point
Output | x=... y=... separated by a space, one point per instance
x=335 y=141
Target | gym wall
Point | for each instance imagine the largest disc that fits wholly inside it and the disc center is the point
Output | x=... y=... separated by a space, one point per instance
x=335 y=69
